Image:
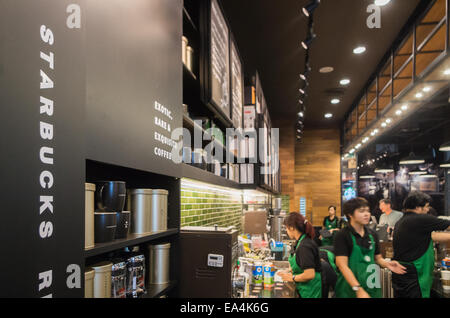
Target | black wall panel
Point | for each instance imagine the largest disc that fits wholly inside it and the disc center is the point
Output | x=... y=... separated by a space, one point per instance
x=42 y=244
x=134 y=60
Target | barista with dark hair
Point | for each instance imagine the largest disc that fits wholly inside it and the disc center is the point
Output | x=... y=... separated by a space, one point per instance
x=413 y=246
x=304 y=261
x=330 y=224
x=357 y=253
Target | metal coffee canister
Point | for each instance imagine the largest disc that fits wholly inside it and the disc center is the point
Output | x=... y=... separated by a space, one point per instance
x=141 y=210
x=102 y=280
x=89 y=215
x=159 y=210
x=159 y=258
x=89 y=283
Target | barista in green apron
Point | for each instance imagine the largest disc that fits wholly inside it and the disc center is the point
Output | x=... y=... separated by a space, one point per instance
x=304 y=261
x=331 y=224
x=413 y=247
x=358 y=255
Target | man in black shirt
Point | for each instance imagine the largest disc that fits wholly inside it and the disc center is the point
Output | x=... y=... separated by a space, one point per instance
x=357 y=253
x=413 y=246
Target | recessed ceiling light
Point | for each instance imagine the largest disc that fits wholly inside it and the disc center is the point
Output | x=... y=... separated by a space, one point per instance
x=384 y=125
x=345 y=81
x=326 y=69
x=427 y=89
x=335 y=101
x=419 y=95
x=388 y=121
x=328 y=115
x=447 y=71
x=301 y=114
x=359 y=50
x=365 y=140
x=398 y=112
x=381 y=3
x=405 y=107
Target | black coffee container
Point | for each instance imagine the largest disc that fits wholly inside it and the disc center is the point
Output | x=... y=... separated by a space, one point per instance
x=110 y=196
x=123 y=224
x=105 y=226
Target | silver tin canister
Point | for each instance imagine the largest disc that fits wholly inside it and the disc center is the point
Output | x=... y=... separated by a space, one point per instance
x=89 y=283
x=102 y=280
x=141 y=210
x=89 y=222
x=159 y=269
x=159 y=210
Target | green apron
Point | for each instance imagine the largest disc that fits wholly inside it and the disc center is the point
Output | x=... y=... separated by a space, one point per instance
x=360 y=259
x=425 y=268
x=331 y=260
x=311 y=289
x=330 y=225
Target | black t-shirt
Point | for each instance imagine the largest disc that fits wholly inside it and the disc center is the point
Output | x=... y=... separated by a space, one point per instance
x=307 y=255
x=412 y=235
x=343 y=244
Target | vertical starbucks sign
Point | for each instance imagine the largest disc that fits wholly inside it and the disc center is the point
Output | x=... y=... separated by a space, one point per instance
x=42 y=93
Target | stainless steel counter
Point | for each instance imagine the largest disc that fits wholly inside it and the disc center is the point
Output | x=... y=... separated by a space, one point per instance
x=280 y=290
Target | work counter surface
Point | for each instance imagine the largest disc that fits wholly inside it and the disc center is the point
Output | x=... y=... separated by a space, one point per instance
x=279 y=290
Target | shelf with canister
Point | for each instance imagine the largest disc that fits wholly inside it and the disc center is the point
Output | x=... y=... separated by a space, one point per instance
x=129 y=231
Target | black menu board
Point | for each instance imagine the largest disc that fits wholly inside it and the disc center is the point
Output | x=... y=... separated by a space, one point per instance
x=220 y=60
x=236 y=87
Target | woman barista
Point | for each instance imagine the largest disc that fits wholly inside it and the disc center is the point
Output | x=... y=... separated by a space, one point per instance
x=413 y=247
x=305 y=261
x=330 y=224
x=357 y=253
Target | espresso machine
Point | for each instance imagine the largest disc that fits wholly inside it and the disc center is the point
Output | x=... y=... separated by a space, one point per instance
x=276 y=221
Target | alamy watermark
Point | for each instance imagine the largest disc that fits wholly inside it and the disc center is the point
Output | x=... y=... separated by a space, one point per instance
x=240 y=147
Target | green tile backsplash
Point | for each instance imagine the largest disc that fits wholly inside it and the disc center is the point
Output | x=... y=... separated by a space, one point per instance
x=208 y=207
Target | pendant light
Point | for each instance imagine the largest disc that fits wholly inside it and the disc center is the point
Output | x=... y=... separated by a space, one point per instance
x=417 y=172
x=445 y=164
x=445 y=147
x=412 y=159
x=384 y=167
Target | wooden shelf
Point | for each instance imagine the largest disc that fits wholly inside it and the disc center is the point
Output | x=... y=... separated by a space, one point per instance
x=156 y=291
x=133 y=239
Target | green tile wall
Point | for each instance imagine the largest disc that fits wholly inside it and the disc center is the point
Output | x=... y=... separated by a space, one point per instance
x=209 y=207
x=285 y=203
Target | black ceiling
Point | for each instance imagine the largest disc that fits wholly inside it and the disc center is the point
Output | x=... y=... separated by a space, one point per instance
x=269 y=34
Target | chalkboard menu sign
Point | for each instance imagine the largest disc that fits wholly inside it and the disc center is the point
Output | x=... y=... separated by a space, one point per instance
x=220 y=60
x=236 y=86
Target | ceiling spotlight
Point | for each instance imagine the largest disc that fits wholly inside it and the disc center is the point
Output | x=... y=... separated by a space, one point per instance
x=326 y=69
x=405 y=107
x=301 y=91
x=335 y=101
x=384 y=125
x=427 y=89
x=447 y=71
x=307 y=43
x=388 y=121
x=352 y=151
x=301 y=114
x=359 y=50
x=345 y=82
x=365 y=140
x=398 y=112
x=309 y=9
x=419 y=95
x=381 y=3
x=328 y=115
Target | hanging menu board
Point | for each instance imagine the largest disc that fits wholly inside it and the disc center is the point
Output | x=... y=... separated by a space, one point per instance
x=220 y=60
x=236 y=86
